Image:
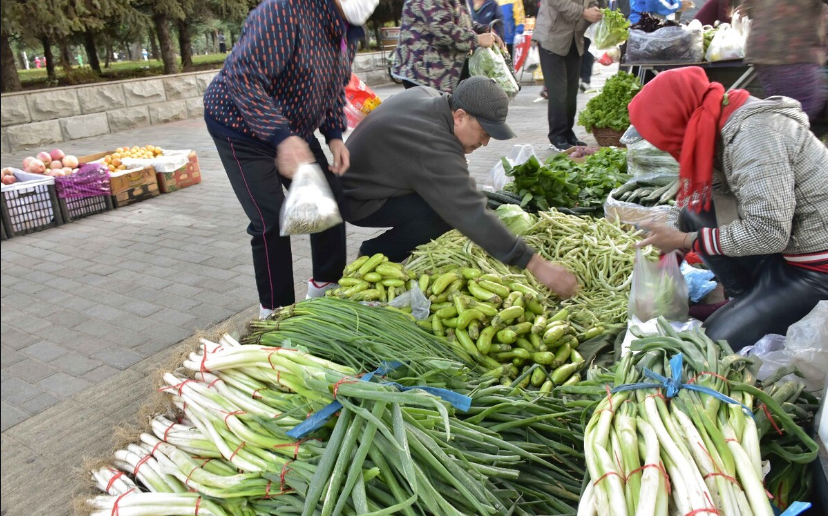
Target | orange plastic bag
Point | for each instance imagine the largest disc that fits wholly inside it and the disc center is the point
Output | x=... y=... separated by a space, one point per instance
x=360 y=101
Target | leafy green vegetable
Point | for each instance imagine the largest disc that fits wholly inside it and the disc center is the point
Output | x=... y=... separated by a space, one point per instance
x=517 y=220
x=489 y=62
x=562 y=183
x=611 y=30
x=609 y=108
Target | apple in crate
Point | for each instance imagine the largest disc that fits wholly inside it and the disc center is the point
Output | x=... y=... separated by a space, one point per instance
x=37 y=166
x=27 y=161
x=8 y=176
x=56 y=165
x=57 y=154
x=70 y=161
x=45 y=157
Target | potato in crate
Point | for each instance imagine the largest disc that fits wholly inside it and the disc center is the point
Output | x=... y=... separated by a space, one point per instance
x=84 y=193
x=28 y=204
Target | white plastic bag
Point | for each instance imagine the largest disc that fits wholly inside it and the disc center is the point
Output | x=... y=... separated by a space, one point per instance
x=658 y=289
x=519 y=155
x=309 y=206
x=805 y=346
x=532 y=59
x=489 y=62
x=414 y=298
x=727 y=44
x=666 y=45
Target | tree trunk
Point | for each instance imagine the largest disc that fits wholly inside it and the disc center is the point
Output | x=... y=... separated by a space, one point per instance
x=214 y=48
x=206 y=41
x=154 y=45
x=108 y=60
x=91 y=50
x=9 y=80
x=166 y=43
x=65 y=56
x=232 y=38
x=378 y=36
x=185 y=44
x=50 y=58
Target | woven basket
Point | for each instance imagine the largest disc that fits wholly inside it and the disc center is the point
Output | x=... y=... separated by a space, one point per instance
x=607 y=137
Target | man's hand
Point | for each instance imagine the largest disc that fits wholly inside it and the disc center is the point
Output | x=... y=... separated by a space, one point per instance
x=341 y=157
x=686 y=4
x=486 y=40
x=593 y=14
x=664 y=237
x=557 y=279
x=292 y=152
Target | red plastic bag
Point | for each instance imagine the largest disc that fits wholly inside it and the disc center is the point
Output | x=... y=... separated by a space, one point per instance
x=360 y=101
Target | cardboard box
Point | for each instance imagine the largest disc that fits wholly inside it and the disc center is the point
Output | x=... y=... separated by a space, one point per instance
x=132 y=179
x=136 y=194
x=188 y=175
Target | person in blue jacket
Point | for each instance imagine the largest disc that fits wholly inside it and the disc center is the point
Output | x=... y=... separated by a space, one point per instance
x=513 y=17
x=657 y=7
x=484 y=12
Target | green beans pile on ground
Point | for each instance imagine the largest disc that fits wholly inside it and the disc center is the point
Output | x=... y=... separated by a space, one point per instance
x=599 y=252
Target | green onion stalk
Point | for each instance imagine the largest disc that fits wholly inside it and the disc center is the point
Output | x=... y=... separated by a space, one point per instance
x=705 y=452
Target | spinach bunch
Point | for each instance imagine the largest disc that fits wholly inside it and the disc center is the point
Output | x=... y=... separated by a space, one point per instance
x=563 y=183
x=609 y=108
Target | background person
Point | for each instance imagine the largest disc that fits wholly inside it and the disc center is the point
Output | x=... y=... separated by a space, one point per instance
x=513 y=17
x=767 y=244
x=284 y=80
x=436 y=37
x=409 y=173
x=559 y=32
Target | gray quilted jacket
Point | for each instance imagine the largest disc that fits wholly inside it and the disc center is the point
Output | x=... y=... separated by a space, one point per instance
x=778 y=171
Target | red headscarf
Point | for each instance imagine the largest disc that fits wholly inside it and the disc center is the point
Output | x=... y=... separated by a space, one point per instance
x=682 y=112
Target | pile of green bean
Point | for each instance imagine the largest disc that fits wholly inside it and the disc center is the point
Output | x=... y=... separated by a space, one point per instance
x=599 y=252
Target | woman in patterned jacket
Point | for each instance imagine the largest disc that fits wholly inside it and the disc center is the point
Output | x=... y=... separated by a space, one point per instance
x=284 y=80
x=759 y=222
x=436 y=37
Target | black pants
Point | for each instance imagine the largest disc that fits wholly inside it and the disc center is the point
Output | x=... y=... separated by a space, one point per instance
x=587 y=60
x=412 y=221
x=510 y=47
x=768 y=295
x=560 y=75
x=408 y=84
x=251 y=169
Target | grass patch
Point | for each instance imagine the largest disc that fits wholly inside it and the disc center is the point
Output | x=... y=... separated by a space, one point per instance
x=36 y=78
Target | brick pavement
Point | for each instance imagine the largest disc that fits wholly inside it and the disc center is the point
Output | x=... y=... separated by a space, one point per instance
x=90 y=309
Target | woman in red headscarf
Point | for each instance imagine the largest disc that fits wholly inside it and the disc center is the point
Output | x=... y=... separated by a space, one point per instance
x=754 y=198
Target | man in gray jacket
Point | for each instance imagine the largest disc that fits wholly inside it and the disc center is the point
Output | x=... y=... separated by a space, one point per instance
x=409 y=172
x=559 y=32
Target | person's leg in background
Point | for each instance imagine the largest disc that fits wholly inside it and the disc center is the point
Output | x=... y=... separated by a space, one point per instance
x=328 y=248
x=573 y=72
x=782 y=295
x=557 y=84
x=412 y=221
x=587 y=61
x=803 y=82
x=252 y=172
x=510 y=47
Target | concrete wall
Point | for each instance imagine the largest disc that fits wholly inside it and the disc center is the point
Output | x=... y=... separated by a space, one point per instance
x=36 y=119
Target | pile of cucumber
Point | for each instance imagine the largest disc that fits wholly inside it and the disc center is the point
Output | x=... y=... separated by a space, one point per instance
x=647 y=193
x=373 y=278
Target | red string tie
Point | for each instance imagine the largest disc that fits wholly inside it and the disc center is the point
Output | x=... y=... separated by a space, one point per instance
x=203 y=367
x=187 y=480
x=198 y=504
x=732 y=440
x=656 y=395
x=708 y=373
x=770 y=418
x=256 y=395
x=115 y=511
x=115 y=477
x=238 y=448
x=167 y=431
x=709 y=510
x=140 y=463
x=656 y=466
x=282 y=475
x=234 y=413
x=295 y=447
x=608 y=473
x=213 y=383
x=340 y=382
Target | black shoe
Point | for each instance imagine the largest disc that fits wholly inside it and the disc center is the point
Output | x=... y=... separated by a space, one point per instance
x=560 y=143
x=573 y=140
x=584 y=86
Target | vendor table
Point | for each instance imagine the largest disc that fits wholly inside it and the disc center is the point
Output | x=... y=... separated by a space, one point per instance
x=742 y=82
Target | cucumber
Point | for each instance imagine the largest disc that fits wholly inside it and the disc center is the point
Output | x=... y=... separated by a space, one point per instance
x=502 y=197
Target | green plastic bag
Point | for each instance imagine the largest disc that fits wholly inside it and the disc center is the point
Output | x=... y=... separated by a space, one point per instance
x=489 y=62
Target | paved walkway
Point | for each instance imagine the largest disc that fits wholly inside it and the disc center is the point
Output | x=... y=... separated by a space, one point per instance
x=91 y=309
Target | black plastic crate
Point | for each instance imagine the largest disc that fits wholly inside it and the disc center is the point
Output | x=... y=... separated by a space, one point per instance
x=84 y=193
x=29 y=206
x=74 y=209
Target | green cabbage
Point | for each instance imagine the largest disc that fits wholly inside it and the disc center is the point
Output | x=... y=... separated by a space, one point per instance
x=517 y=220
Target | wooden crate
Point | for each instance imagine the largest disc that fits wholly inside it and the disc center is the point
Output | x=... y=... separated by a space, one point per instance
x=188 y=175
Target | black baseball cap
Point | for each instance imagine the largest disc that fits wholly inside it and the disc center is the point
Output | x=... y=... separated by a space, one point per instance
x=484 y=99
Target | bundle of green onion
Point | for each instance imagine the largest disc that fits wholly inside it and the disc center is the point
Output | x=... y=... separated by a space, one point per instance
x=693 y=453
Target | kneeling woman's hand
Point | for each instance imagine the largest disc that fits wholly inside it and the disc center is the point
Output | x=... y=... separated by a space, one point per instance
x=665 y=238
x=556 y=278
